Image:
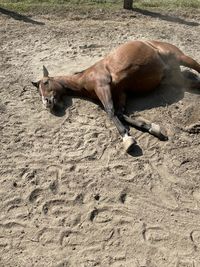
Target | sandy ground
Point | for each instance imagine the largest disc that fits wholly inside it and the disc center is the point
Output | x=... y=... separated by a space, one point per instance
x=70 y=195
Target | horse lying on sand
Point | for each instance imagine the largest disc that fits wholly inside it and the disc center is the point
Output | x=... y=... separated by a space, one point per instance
x=136 y=66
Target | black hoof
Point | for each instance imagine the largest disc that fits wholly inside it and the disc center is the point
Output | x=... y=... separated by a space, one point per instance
x=163 y=137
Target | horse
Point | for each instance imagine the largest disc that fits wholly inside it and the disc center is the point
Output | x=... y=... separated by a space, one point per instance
x=134 y=67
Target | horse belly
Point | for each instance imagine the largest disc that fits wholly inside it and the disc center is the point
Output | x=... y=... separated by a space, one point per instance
x=143 y=78
x=144 y=81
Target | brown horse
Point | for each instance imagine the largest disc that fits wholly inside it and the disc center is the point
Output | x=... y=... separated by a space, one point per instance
x=136 y=66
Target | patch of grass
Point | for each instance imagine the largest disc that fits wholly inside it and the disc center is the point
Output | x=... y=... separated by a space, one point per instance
x=168 y=3
x=46 y=6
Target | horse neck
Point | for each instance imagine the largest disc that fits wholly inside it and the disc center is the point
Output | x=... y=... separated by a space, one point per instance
x=72 y=84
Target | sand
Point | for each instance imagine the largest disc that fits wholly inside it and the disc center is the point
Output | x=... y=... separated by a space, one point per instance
x=70 y=195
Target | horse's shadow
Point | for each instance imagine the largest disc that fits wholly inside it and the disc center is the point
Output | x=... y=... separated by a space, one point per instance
x=59 y=109
x=170 y=91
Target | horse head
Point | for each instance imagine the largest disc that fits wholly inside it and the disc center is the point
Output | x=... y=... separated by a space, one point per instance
x=49 y=89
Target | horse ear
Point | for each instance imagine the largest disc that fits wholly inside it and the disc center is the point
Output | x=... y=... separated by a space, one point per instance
x=36 y=84
x=45 y=72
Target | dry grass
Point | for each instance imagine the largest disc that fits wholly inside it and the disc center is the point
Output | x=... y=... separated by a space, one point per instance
x=44 y=6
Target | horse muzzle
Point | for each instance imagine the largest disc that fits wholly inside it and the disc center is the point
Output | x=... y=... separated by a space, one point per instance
x=48 y=102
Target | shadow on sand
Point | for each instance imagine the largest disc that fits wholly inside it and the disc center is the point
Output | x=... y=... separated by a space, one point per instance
x=169 y=18
x=171 y=90
x=18 y=16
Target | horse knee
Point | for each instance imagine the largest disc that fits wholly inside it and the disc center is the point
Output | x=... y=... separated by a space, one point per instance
x=110 y=111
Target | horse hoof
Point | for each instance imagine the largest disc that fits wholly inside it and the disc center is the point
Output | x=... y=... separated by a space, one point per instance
x=128 y=142
x=156 y=131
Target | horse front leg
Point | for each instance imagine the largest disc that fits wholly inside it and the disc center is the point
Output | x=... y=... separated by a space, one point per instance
x=104 y=94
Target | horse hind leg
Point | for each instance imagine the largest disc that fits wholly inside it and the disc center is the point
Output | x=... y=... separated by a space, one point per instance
x=143 y=126
x=182 y=59
x=191 y=79
x=189 y=62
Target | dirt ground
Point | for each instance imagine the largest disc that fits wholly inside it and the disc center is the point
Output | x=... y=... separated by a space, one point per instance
x=70 y=195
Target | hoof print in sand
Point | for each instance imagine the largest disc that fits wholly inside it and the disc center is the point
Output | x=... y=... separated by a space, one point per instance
x=185 y=263
x=195 y=237
x=93 y=214
x=155 y=235
x=34 y=195
x=122 y=197
x=47 y=236
x=13 y=204
x=54 y=187
x=70 y=238
x=54 y=206
x=100 y=216
x=64 y=263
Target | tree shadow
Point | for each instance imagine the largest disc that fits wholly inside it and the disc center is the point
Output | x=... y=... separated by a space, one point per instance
x=169 y=18
x=18 y=16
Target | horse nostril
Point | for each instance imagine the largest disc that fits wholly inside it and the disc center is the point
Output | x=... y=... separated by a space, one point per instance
x=48 y=100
